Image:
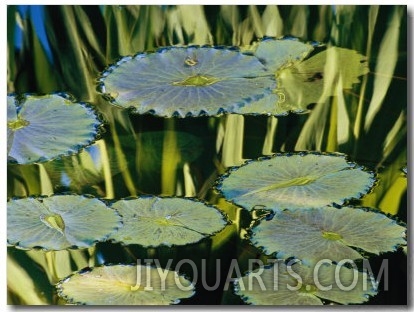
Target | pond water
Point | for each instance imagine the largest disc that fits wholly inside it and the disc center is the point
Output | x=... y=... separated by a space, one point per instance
x=66 y=48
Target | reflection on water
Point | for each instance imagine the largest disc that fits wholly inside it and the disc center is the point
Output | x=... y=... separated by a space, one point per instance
x=363 y=117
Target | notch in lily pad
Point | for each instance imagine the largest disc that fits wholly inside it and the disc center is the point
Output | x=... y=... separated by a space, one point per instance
x=125 y=285
x=59 y=222
x=328 y=233
x=298 y=180
x=154 y=221
x=40 y=128
x=294 y=283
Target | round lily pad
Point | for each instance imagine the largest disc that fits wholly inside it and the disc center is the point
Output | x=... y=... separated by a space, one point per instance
x=125 y=285
x=59 y=222
x=155 y=221
x=40 y=128
x=302 y=180
x=298 y=284
x=327 y=233
x=187 y=81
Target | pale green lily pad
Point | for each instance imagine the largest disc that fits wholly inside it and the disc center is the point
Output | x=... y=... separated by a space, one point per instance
x=295 y=181
x=59 y=222
x=40 y=128
x=155 y=221
x=276 y=54
x=327 y=233
x=306 y=83
x=273 y=285
x=187 y=81
x=125 y=285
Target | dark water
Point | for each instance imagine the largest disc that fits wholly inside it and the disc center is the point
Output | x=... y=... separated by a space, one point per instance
x=79 y=42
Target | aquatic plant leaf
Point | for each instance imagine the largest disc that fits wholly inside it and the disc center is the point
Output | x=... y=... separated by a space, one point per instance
x=304 y=83
x=59 y=222
x=327 y=233
x=154 y=221
x=125 y=285
x=40 y=128
x=187 y=81
x=279 y=53
x=295 y=181
x=298 y=284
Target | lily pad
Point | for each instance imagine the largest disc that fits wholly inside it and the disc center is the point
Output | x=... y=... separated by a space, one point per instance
x=298 y=284
x=40 y=128
x=305 y=82
x=59 y=222
x=290 y=181
x=125 y=285
x=187 y=81
x=155 y=221
x=327 y=233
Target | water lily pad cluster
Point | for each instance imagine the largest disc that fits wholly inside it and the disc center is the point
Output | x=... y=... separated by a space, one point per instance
x=307 y=220
x=40 y=128
x=65 y=221
x=269 y=77
x=193 y=81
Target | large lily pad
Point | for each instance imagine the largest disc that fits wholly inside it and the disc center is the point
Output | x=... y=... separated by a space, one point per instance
x=40 y=128
x=298 y=284
x=187 y=81
x=59 y=222
x=155 y=221
x=327 y=233
x=295 y=181
x=125 y=285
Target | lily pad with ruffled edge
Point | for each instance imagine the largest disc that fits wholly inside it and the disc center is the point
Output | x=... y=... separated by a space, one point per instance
x=302 y=180
x=125 y=285
x=155 y=221
x=59 y=222
x=298 y=284
x=40 y=128
x=327 y=233
x=187 y=81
